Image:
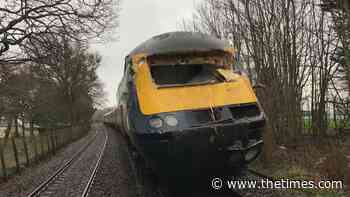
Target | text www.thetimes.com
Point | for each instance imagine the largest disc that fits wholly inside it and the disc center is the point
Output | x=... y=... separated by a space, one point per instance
x=218 y=183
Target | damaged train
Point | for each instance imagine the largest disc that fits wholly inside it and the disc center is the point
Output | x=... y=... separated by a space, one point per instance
x=186 y=108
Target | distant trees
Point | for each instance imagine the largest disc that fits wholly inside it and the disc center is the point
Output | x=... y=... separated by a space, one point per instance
x=292 y=47
x=17 y=94
x=71 y=69
x=62 y=90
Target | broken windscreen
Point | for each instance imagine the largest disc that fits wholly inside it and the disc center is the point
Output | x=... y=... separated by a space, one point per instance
x=182 y=75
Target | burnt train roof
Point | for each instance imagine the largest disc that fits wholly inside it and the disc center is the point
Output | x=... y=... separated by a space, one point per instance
x=175 y=42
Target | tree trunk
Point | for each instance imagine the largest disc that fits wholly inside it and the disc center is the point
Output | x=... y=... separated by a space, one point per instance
x=2 y=161
x=34 y=140
x=269 y=145
x=25 y=142
x=8 y=129
x=15 y=153
x=31 y=127
x=16 y=134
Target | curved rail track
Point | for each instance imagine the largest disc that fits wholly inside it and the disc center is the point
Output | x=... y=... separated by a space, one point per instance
x=44 y=188
x=93 y=174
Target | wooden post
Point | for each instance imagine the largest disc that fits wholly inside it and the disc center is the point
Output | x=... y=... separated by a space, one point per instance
x=41 y=144
x=49 y=147
x=34 y=141
x=16 y=126
x=61 y=138
x=57 y=140
x=35 y=148
x=65 y=138
x=57 y=137
x=15 y=153
x=269 y=144
x=71 y=134
x=2 y=159
x=25 y=143
x=53 y=145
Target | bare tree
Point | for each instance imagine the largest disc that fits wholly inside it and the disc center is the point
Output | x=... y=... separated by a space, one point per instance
x=287 y=45
x=340 y=12
x=21 y=20
x=72 y=69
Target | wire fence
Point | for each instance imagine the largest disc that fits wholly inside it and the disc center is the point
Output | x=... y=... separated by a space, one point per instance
x=17 y=153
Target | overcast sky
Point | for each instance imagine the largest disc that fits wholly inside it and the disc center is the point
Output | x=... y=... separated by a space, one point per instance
x=139 y=21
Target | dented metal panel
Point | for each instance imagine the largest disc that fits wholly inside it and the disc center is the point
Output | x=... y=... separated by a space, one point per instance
x=181 y=42
x=154 y=100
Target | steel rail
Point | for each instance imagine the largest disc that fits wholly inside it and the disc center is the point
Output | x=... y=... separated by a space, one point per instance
x=63 y=168
x=94 y=172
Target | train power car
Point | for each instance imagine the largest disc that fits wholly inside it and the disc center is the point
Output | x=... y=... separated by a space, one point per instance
x=185 y=108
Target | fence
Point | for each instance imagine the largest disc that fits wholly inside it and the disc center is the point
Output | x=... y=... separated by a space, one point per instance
x=19 y=152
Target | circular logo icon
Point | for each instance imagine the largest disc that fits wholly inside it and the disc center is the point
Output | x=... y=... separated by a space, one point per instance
x=216 y=183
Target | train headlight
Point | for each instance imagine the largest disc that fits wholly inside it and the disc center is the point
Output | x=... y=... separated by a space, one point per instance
x=156 y=123
x=171 y=120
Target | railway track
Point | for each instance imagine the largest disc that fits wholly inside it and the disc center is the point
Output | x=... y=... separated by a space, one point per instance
x=115 y=176
x=94 y=172
x=56 y=182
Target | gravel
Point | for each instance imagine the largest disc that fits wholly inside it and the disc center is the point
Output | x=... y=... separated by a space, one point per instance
x=72 y=182
x=22 y=184
x=114 y=176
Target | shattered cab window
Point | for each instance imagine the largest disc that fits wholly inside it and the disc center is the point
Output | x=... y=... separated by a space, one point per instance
x=180 y=75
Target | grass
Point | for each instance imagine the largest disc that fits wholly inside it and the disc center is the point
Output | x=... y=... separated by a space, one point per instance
x=62 y=137
x=293 y=172
x=329 y=194
x=331 y=124
x=9 y=151
x=301 y=163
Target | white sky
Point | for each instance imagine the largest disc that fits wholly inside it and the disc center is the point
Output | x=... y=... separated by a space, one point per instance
x=139 y=21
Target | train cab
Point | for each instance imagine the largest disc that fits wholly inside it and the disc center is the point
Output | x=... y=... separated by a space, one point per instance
x=185 y=108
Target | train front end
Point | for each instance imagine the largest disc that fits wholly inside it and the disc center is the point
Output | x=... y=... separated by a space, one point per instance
x=191 y=113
